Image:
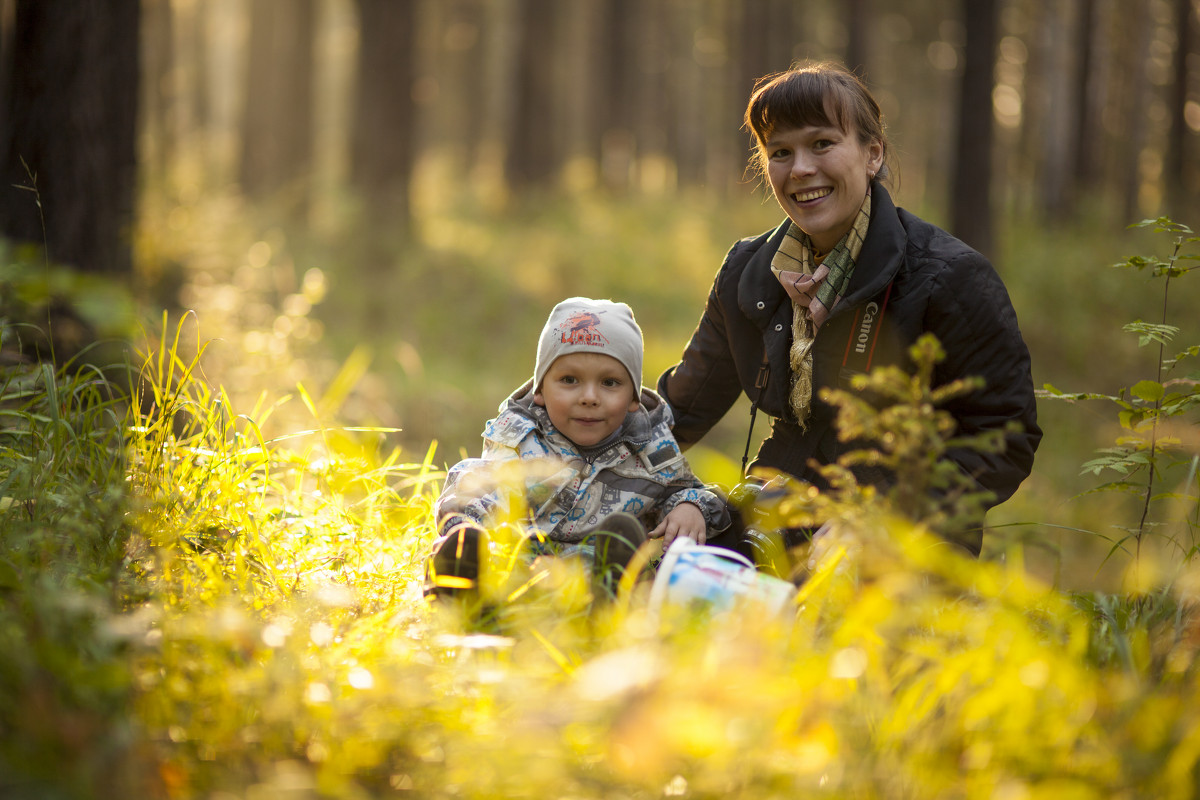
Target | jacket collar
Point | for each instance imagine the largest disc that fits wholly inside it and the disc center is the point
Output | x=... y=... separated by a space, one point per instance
x=760 y=295
x=882 y=252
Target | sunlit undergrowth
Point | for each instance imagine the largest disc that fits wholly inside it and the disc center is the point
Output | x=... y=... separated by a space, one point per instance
x=193 y=607
x=294 y=303
x=189 y=609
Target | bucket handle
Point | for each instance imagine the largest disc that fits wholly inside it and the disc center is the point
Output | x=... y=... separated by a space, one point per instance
x=684 y=543
x=677 y=548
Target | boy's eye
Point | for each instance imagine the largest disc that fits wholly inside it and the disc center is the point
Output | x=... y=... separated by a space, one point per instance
x=612 y=382
x=568 y=379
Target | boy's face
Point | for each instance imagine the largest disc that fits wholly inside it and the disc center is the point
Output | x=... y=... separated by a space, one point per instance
x=587 y=396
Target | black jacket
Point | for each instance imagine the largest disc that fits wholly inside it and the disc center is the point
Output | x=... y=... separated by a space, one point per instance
x=931 y=281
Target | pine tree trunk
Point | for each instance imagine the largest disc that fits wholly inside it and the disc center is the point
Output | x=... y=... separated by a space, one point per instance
x=971 y=198
x=277 y=123
x=384 y=116
x=533 y=154
x=1180 y=171
x=68 y=115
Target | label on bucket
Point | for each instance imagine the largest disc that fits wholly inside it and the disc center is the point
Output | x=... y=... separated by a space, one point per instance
x=714 y=579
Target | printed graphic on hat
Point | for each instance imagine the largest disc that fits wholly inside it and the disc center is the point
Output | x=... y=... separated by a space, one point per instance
x=583 y=327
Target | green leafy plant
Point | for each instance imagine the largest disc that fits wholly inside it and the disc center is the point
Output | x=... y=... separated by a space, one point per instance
x=239 y=614
x=64 y=727
x=53 y=310
x=902 y=416
x=1151 y=459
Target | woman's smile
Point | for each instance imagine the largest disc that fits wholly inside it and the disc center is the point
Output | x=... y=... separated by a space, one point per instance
x=813 y=194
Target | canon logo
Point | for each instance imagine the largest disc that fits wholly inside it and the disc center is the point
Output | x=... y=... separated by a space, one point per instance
x=864 y=330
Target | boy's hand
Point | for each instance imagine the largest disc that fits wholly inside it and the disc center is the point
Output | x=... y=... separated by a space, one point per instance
x=685 y=519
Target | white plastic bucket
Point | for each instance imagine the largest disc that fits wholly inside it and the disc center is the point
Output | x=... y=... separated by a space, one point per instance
x=713 y=579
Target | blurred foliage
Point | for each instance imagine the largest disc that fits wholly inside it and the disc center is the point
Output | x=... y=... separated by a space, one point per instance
x=438 y=325
x=65 y=678
x=905 y=414
x=192 y=609
x=210 y=586
x=53 y=310
x=1156 y=456
x=486 y=283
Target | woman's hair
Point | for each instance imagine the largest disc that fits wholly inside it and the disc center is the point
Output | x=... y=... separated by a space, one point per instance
x=817 y=93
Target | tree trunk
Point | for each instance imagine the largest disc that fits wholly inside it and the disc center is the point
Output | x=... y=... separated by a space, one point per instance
x=971 y=200
x=6 y=39
x=533 y=155
x=1179 y=172
x=690 y=127
x=613 y=126
x=1136 y=100
x=277 y=122
x=157 y=95
x=461 y=94
x=68 y=117
x=190 y=81
x=858 y=18
x=1087 y=117
x=1057 y=140
x=384 y=132
x=653 y=104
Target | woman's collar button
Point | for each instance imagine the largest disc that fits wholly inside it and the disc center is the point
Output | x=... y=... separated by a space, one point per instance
x=761 y=305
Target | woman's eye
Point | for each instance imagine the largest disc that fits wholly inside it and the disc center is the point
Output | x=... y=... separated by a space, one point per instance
x=779 y=154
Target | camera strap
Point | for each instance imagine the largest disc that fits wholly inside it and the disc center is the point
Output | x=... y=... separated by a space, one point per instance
x=857 y=357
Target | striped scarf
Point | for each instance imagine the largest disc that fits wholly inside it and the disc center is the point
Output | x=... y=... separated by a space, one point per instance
x=815 y=288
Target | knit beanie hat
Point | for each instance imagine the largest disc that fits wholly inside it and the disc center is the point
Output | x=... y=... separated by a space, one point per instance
x=583 y=325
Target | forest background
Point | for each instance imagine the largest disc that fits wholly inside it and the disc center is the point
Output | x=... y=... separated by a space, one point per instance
x=383 y=199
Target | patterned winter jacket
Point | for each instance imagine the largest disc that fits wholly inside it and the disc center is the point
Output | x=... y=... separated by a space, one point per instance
x=532 y=472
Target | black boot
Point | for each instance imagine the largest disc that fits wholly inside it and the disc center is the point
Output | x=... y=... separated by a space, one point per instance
x=454 y=566
x=617 y=537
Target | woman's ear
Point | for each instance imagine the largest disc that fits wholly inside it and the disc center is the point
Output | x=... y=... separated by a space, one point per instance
x=874 y=157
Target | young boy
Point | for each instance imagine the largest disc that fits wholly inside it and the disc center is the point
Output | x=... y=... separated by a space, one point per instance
x=607 y=465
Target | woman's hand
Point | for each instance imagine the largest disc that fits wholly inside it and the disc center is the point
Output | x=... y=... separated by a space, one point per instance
x=685 y=519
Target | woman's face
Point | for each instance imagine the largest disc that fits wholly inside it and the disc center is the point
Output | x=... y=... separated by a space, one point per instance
x=820 y=177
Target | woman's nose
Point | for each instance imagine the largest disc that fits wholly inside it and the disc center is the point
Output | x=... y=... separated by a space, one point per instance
x=802 y=164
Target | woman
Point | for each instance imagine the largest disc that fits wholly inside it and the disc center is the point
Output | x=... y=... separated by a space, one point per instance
x=847 y=276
